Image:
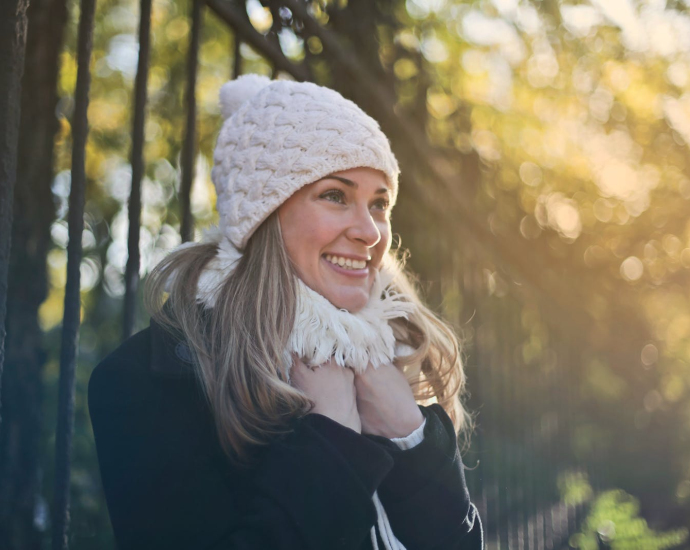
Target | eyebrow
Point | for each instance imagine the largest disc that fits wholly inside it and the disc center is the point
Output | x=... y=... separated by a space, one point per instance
x=351 y=183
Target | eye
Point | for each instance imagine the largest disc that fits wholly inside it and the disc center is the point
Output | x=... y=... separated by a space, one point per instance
x=334 y=195
x=382 y=204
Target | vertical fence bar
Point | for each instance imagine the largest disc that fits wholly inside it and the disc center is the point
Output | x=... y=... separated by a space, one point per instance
x=535 y=389
x=573 y=386
x=498 y=366
x=565 y=431
x=137 y=160
x=519 y=475
x=72 y=311
x=567 y=519
x=237 y=42
x=476 y=369
x=511 y=491
x=502 y=359
x=549 y=429
x=237 y=56
x=189 y=145
x=525 y=397
x=273 y=33
x=13 y=25
x=486 y=340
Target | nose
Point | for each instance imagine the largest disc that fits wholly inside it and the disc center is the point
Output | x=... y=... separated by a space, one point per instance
x=363 y=228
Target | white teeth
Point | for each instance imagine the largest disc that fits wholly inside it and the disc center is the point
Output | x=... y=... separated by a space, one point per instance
x=347 y=263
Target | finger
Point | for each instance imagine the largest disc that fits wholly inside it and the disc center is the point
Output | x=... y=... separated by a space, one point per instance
x=299 y=370
x=368 y=373
x=302 y=363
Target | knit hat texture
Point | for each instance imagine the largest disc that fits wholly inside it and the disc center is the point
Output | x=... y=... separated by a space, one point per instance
x=279 y=136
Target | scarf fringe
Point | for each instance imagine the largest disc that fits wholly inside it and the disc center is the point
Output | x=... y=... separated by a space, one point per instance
x=323 y=331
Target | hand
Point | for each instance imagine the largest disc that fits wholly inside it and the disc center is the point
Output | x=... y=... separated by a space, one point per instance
x=331 y=388
x=386 y=403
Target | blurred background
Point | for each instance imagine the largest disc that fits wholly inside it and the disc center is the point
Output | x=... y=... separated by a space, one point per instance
x=545 y=201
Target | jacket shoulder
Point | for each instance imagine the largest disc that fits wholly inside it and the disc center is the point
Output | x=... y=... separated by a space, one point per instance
x=132 y=352
x=118 y=375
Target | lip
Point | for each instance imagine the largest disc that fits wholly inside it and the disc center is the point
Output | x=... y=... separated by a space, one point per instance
x=349 y=256
x=354 y=273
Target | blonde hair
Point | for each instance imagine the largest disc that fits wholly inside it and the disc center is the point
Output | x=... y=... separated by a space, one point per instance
x=239 y=343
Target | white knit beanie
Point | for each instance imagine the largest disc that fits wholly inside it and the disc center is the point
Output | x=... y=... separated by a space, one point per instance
x=280 y=135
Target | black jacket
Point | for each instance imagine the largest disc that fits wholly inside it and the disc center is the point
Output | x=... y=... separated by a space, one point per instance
x=169 y=486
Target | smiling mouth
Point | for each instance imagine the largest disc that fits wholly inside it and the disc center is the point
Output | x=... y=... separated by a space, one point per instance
x=346 y=263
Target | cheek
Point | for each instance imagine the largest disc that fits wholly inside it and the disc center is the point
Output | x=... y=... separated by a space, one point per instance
x=291 y=226
x=386 y=236
x=317 y=228
x=314 y=229
x=305 y=232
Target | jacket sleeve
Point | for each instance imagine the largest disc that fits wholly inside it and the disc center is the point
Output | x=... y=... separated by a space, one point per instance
x=425 y=495
x=168 y=488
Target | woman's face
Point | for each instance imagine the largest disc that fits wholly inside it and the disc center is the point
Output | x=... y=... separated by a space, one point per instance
x=337 y=231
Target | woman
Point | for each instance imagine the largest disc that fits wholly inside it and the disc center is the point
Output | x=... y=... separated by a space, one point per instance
x=271 y=404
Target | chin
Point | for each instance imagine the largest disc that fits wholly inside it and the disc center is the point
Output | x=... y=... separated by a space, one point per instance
x=352 y=302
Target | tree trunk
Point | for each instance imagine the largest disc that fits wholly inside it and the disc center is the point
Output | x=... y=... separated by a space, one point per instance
x=21 y=523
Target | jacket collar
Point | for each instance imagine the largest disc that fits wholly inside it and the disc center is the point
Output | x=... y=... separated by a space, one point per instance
x=170 y=355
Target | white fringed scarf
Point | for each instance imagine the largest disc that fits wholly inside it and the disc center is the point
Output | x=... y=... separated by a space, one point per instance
x=322 y=331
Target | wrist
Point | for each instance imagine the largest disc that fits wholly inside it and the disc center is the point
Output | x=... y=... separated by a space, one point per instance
x=414 y=422
x=412 y=440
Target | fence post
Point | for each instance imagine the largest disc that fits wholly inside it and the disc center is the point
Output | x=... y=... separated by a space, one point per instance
x=13 y=24
x=137 y=160
x=72 y=313
x=189 y=145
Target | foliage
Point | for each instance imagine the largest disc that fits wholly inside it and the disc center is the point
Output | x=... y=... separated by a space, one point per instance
x=614 y=517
